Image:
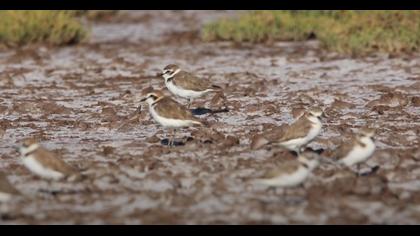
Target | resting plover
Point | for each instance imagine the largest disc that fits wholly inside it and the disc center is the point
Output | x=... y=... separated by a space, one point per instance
x=302 y=131
x=44 y=163
x=7 y=191
x=169 y=113
x=358 y=150
x=291 y=173
x=185 y=84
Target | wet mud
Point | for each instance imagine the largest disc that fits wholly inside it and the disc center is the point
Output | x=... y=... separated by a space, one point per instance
x=83 y=102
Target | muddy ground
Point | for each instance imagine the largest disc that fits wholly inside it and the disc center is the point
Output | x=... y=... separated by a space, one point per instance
x=83 y=102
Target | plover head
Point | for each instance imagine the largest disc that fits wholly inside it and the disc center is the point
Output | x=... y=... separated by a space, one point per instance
x=310 y=159
x=315 y=112
x=28 y=145
x=367 y=132
x=152 y=97
x=170 y=71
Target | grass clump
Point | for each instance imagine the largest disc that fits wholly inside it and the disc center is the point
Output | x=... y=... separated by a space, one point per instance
x=345 y=31
x=97 y=15
x=19 y=27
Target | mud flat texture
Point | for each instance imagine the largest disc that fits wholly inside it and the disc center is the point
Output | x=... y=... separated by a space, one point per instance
x=83 y=103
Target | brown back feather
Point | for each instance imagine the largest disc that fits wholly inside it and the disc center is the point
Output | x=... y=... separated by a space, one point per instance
x=297 y=129
x=6 y=186
x=287 y=167
x=191 y=82
x=345 y=148
x=169 y=108
x=48 y=158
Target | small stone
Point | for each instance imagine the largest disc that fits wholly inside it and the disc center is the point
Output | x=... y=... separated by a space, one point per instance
x=415 y=101
x=108 y=150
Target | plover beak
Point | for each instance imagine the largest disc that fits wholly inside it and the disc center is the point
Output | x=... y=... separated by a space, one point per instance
x=143 y=99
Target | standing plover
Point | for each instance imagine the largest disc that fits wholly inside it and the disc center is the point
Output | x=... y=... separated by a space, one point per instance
x=169 y=113
x=7 y=191
x=291 y=173
x=44 y=163
x=358 y=150
x=185 y=84
x=302 y=131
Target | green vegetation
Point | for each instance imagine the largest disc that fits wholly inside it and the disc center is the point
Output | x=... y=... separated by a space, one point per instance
x=51 y=27
x=349 y=32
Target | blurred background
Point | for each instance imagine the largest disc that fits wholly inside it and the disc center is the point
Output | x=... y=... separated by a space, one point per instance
x=345 y=31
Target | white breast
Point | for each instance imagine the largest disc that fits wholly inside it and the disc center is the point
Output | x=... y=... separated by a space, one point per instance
x=295 y=144
x=33 y=165
x=184 y=92
x=359 y=153
x=167 y=122
x=288 y=180
x=315 y=130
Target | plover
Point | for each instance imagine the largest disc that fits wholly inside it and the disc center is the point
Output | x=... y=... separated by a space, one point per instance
x=292 y=173
x=358 y=150
x=7 y=191
x=185 y=84
x=169 y=113
x=45 y=163
x=303 y=130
